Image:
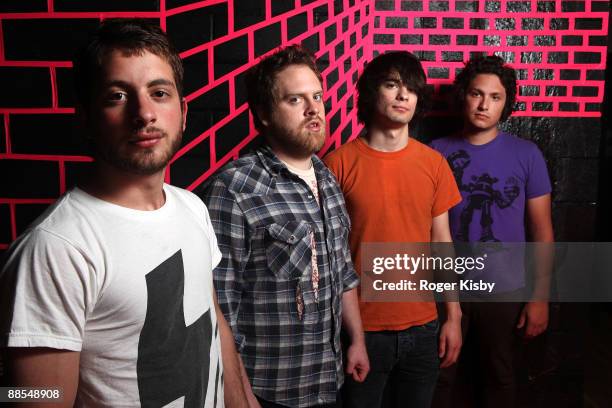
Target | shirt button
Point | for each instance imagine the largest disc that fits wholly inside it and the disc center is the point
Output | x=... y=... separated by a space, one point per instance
x=309 y=196
x=292 y=238
x=320 y=401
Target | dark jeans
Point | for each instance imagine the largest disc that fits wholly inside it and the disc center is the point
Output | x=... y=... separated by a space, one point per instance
x=404 y=368
x=486 y=373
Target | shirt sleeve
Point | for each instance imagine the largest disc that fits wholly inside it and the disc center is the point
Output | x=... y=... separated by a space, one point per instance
x=447 y=194
x=538 y=181
x=47 y=290
x=350 y=279
x=228 y=223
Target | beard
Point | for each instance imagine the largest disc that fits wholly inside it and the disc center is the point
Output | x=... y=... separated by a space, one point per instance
x=142 y=161
x=297 y=142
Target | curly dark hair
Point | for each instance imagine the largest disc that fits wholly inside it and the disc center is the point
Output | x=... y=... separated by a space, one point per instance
x=131 y=36
x=411 y=73
x=260 y=79
x=487 y=65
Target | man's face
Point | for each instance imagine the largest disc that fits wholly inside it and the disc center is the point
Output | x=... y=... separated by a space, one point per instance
x=485 y=99
x=296 y=121
x=395 y=103
x=136 y=117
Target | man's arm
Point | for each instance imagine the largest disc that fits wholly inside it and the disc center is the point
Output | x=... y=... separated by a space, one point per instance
x=534 y=317
x=229 y=226
x=450 y=332
x=44 y=367
x=357 y=364
x=235 y=385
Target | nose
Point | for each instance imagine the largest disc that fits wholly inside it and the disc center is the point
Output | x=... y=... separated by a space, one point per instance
x=403 y=93
x=143 y=110
x=312 y=107
x=484 y=104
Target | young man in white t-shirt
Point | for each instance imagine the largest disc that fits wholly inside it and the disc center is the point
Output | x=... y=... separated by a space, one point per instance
x=108 y=296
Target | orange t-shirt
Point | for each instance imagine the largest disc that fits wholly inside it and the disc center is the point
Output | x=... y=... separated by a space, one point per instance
x=393 y=197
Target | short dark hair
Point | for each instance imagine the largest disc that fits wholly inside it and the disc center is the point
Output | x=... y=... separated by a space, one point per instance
x=411 y=73
x=260 y=79
x=132 y=37
x=491 y=64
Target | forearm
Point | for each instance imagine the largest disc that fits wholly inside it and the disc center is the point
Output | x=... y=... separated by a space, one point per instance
x=351 y=317
x=453 y=311
x=543 y=266
x=541 y=234
x=232 y=372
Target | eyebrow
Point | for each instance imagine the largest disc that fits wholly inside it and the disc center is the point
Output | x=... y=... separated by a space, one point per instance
x=473 y=88
x=155 y=82
x=288 y=94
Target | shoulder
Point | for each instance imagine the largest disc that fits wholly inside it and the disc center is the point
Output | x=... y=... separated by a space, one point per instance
x=426 y=152
x=341 y=154
x=44 y=248
x=447 y=144
x=522 y=147
x=517 y=142
x=245 y=175
x=67 y=217
x=185 y=199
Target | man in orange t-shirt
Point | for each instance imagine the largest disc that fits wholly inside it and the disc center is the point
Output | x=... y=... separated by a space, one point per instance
x=397 y=190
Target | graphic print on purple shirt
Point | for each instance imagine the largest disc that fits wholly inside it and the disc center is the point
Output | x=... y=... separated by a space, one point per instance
x=496 y=180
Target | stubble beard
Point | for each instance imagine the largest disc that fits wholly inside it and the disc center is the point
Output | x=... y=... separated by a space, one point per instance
x=143 y=162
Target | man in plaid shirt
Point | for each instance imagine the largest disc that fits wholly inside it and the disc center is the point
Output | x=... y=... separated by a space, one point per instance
x=286 y=282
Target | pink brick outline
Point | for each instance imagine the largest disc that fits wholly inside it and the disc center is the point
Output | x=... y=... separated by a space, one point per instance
x=505 y=48
x=209 y=135
x=334 y=139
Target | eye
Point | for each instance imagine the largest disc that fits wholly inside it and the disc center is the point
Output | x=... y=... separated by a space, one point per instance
x=117 y=96
x=294 y=99
x=318 y=97
x=390 y=84
x=160 y=93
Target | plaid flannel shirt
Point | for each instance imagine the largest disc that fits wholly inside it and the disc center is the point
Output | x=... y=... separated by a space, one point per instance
x=263 y=216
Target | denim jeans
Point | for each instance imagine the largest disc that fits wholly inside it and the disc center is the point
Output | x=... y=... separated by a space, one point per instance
x=404 y=369
x=485 y=376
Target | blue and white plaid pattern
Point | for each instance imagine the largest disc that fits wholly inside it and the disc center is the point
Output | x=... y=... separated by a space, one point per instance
x=263 y=215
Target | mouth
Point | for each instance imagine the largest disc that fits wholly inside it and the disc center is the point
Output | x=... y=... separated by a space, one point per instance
x=146 y=139
x=400 y=108
x=314 y=126
x=481 y=116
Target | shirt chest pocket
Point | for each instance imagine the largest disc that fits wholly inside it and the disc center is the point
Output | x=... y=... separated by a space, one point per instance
x=288 y=249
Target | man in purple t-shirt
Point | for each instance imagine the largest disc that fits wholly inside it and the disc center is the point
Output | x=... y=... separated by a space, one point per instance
x=505 y=188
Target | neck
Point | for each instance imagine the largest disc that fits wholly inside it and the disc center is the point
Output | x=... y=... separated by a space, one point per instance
x=479 y=136
x=297 y=159
x=387 y=139
x=139 y=192
x=301 y=163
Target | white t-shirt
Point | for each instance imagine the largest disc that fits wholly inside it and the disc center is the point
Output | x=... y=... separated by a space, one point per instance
x=131 y=290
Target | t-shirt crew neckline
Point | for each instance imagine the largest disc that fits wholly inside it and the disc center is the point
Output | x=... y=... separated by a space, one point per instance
x=122 y=211
x=365 y=148
x=500 y=135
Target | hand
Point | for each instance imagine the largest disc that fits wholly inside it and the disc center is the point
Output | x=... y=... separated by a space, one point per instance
x=534 y=318
x=357 y=362
x=450 y=342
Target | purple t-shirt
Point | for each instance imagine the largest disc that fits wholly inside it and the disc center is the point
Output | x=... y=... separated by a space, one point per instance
x=495 y=179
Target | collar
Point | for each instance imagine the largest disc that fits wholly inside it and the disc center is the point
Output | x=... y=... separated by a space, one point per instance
x=275 y=167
